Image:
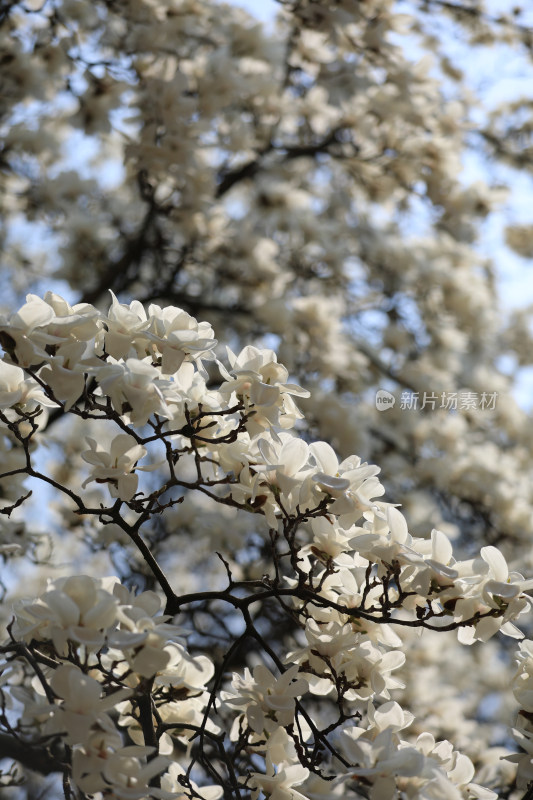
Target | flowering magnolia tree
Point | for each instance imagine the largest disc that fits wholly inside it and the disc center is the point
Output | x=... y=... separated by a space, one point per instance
x=123 y=691
x=205 y=594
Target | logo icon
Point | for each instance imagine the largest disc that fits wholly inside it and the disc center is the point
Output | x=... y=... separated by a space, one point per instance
x=384 y=400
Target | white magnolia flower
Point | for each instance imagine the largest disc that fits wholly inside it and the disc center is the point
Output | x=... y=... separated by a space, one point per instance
x=83 y=709
x=435 y=562
x=170 y=783
x=279 y=784
x=135 y=389
x=89 y=759
x=126 y=330
x=260 y=382
x=334 y=649
x=17 y=390
x=330 y=541
x=351 y=483
x=485 y=584
x=23 y=335
x=184 y=671
x=286 y=461
x=129 y=776
x=176 y=335
x=143 y=634
x=41 y=325
x=78 y=609
x=381 y=756
x=268 y=702
x=81 y=322
x=66 y=372
x=115 y=464
x=523 y=678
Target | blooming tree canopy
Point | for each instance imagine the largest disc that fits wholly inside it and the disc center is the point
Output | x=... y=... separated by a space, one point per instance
x=129 y=703
x=266 y=491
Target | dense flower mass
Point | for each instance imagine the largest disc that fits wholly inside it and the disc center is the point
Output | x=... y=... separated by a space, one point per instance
x=210 y=589
x=347 y=569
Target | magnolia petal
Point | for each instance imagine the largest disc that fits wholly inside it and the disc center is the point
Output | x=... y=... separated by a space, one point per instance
x=397 y=524
x=441 y=547
x=496 y=561
x=331 y=484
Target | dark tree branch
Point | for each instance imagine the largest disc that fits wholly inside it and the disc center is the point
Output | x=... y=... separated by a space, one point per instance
x=36 y=758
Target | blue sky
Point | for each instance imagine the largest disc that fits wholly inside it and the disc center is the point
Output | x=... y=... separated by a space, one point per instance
x=264 y=10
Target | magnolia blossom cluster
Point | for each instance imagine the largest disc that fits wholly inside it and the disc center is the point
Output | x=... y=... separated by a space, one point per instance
x=348 y=573
x=357 y=211
x=71 y=341
x=121 y=640
x=523 y=731
x=357 y=215
x=387 y=762
x=299 y=184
